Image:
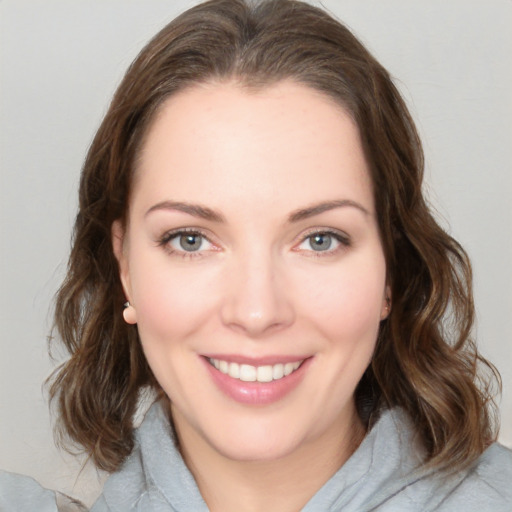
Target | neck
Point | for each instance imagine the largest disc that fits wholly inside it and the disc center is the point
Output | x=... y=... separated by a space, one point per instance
x=229 y=485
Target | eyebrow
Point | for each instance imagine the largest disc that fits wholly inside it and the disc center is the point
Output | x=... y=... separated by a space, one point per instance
x=203 y=212
x=197 y=210
x=317 y=209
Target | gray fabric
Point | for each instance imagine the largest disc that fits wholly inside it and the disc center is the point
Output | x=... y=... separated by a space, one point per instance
x=23 y=494
x=380 y=476
x=19 y=493
x=154 y=478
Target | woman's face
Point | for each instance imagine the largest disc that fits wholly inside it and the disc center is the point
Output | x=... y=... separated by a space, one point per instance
x=253 y=262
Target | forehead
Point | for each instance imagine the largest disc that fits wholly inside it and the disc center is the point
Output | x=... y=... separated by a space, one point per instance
x=218 y=142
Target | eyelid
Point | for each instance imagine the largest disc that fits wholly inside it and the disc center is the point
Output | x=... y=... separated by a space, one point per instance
x=340 y=236
x=168 y=236
x=171 y=233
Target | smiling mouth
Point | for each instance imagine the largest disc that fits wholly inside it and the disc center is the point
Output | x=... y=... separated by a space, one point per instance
x=249 y=373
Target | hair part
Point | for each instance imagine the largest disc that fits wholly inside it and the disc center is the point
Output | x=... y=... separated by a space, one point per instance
x=425 y=360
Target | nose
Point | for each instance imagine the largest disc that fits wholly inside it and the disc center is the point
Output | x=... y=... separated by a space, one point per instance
x=257 y=301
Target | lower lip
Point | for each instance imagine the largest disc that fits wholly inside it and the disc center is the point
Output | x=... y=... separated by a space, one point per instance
x=257 y=393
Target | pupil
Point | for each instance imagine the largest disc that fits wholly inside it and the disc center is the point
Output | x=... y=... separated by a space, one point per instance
x=190 y=242
x=321 y=242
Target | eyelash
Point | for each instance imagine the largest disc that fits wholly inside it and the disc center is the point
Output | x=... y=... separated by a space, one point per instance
x=341 y=238
x=165 y=240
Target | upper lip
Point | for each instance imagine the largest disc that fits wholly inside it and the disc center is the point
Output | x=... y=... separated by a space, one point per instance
x=257 y=361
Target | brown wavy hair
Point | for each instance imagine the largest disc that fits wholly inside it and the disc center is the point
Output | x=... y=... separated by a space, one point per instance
x=425 y=360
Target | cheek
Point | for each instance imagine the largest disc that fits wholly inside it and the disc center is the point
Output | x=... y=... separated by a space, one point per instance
x=347 y=303
x=172 y=306
x=170 y=301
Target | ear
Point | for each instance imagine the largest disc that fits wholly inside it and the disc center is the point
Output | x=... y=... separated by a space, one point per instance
x=119 y=248
x=386 y=303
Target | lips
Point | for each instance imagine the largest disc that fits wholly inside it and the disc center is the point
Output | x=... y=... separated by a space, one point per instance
x=263 y=382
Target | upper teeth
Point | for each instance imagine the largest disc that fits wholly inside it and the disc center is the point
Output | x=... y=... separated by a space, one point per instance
x=249 y=373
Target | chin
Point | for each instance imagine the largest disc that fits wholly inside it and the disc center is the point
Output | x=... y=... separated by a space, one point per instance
x=260 y=438
x=256 y=449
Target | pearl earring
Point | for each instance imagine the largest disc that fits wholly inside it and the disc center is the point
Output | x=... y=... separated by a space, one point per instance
x=129 y=313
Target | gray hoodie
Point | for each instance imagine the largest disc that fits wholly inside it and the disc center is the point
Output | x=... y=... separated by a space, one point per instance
x=380 y=476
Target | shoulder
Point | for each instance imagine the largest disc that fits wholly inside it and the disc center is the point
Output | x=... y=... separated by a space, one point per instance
x=496 y=464
x=489 y=481
x=23 y=494
x=486 y=485
x=402 y=482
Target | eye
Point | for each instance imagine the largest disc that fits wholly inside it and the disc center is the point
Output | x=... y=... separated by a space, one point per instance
x=323 y=241
x=185 y=241
x=320 y=241
x=190 y=242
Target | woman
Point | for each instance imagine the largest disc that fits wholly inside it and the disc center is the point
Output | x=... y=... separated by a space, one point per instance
x=252 y=245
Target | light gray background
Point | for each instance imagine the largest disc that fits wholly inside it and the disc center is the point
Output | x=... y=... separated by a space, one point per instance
x=60 y=63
